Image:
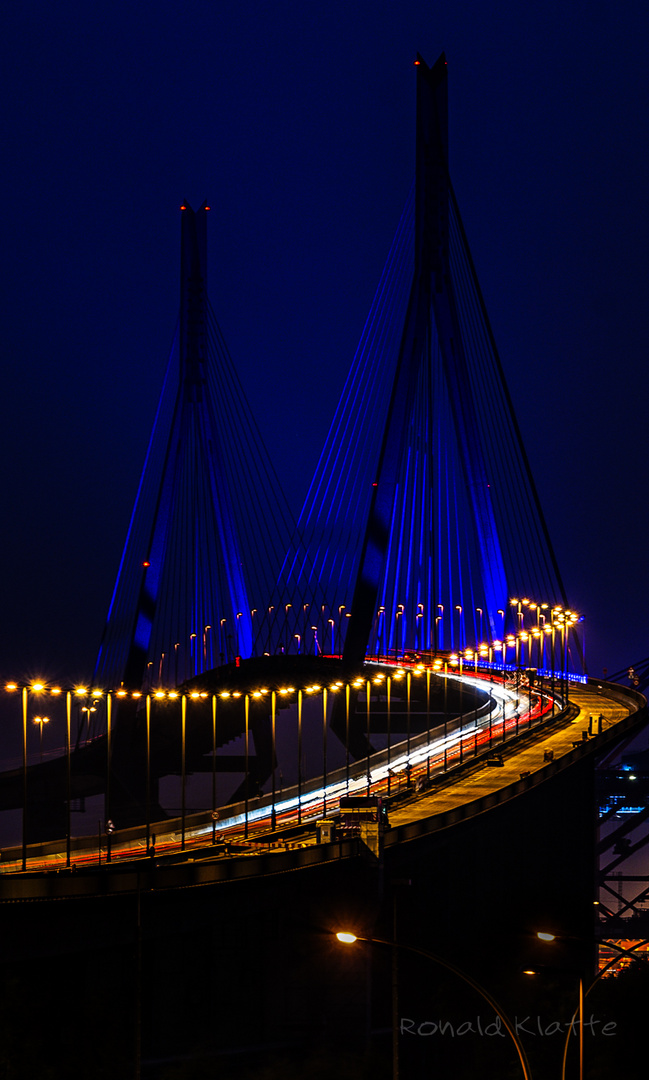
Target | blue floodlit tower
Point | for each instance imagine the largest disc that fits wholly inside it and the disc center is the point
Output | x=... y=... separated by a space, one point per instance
x=422 y=521
x=205 y=531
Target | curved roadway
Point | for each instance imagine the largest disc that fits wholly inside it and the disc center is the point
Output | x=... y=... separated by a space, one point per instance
x=433 y=799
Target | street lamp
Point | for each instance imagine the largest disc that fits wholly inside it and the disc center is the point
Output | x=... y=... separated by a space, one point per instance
x=40 y=720
x=346 y=937
x=439 y=630
x=579 y=1012
x=88 y=709
x=398 y=630
x=380 y=633
x=341 y=608
x=239 y=614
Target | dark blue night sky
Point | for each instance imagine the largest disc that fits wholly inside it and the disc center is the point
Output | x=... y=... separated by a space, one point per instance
x=296 y=122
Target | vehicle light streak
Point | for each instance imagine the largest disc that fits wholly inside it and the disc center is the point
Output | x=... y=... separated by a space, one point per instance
x=442 y=751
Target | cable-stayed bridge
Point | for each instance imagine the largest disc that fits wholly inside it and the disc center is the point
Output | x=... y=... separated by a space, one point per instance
x=377 y=708
x=422 y=521
x=421 y=548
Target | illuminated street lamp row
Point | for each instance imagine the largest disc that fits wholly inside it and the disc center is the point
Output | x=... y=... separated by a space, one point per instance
x=95 y=694
x=562 y=621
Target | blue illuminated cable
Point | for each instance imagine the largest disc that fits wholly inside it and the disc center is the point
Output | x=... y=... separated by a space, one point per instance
x=347 y=414
x=240 y=497
x=212 y=572
x=124 y=570
x=253 y=437
x=449 y=549
x=111 y=663
x=411 y=507
x=504 y=474
x=421 y=520
x=344 y=469
x=352 y=499
x=365 y=351
x=499 y=465
x=246 y=435
x=558 y=584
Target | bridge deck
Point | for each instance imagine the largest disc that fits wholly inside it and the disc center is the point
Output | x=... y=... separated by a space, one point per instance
x=468 y=791
x=479 y=786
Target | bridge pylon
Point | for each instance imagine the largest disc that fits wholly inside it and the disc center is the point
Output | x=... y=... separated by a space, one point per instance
x=423 y=520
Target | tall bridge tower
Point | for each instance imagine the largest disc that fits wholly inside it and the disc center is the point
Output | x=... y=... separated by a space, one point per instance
x=423 y=520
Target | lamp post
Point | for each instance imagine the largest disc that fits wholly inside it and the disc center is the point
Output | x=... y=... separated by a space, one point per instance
x=461 y=708
x=88 y=709
x=246 y=706
x=389 y=725
x=579 y=1012
x=324 y=751
x=347 y=694
x=206 y=653
x=273 y=737
x=222 y=641
x=368 y=689
x=428 y=722
x=109 y=734
x=299 y=757
x=183 y=728
x=148 y=773
x=408 y=689
x=40 y=720
x=24 y=851
x=305 y=623
x=380 y=632
x=213 y=768
x=348 y=938
x=396 y=635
